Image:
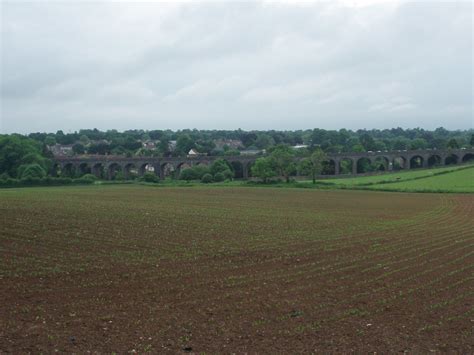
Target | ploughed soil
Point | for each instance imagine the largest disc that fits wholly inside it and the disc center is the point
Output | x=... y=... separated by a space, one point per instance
x=234 y=270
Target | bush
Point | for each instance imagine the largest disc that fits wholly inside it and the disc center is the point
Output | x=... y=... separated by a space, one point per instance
x=228 y=174
x=31 y=171
x=207 y=178
x=188 y=174
x=194 y=173
x=219 y=177
x=149 y=177
x=89 y=177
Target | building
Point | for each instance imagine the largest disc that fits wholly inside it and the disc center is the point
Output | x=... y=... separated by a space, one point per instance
x=231 y=143
x=61 y=149
x=193 y=153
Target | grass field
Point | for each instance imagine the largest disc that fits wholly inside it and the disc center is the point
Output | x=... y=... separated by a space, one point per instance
x=211 y=269
x=446 y=179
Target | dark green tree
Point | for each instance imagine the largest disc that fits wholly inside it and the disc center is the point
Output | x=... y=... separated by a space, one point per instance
x=314 y=164
x=263 y=169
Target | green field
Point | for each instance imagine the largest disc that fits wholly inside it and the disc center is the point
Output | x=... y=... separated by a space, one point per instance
x=447 y=179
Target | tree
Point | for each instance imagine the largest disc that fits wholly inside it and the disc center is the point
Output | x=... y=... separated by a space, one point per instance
x=282 y=157
x=78 y=148
x=453 y=144
x=368 y=142
x=149 y=177
x=31 y=171
x=314 y=164
x=16 y=150
x=50 y=140
x=471 y=142
x=418 y=143
x=184 y=144
x=264 y=141
x=207 y=178
x=84 y=140
x=263 y=169
x=222 y=166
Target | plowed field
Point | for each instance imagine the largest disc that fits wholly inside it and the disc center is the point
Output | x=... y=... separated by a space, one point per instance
x=133 y=268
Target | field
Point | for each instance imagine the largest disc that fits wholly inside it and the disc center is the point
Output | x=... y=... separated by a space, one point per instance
x=446 y=179
x=234 y=269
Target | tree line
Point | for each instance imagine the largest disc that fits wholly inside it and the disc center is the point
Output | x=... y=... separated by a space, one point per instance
x=29 y=156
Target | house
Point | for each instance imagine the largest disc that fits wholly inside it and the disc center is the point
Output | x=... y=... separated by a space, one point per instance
x=193 y=153
x=149 y=145
x=252 y=152
x=61 y=149
x=231 y=143
x=299 y=146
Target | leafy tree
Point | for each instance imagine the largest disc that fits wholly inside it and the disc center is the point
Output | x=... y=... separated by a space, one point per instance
x=264 y=141
x=282 y=157
x=368 y=142
x=16 y=150
x=78 y=148
x=207 y=178
x=184 y=144
x=219 y=177
x=263 y=169
x=453 y=144
x=314 y=164
x=50 y=140
x=31 y=171
x=418 y=143
x=221 y=166
x=471 y=142
x=149 y=177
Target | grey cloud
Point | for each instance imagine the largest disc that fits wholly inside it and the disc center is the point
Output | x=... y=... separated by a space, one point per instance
x=254 y=65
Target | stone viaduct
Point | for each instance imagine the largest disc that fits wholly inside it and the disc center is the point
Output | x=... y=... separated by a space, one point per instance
x=107 y=166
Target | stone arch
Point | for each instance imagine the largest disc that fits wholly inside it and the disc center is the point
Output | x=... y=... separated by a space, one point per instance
x=451 y=159
x=130 y=171
x=84 y=168
x=416 y=161
x=167 y=170
x=382 y=163
x=346 y=166
x=68 y=170
x=145 y=167
x=247 y=172
x=56 y=170
x=468 y=157
x=329 y=167
x=399 y=163
x=114 y=171
x=434 y=160
x=364 y=165
x=98 y=170
x=238 y=169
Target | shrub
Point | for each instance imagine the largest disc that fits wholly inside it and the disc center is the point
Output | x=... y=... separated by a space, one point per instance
x=31 y=171
x=188 y=174
x=194 y=173
x=219 y=177
x=207 y=178
x=89 y=177
x=149 y=177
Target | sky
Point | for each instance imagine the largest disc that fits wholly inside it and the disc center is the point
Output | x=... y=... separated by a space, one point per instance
x=282 y=65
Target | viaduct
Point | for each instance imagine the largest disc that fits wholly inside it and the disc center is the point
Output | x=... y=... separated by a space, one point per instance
x=107 y=165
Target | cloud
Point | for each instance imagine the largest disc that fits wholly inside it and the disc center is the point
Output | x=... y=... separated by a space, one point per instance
x=253 y=65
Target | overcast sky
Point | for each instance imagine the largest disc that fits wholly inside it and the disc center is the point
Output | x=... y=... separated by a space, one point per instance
x=251 y=65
